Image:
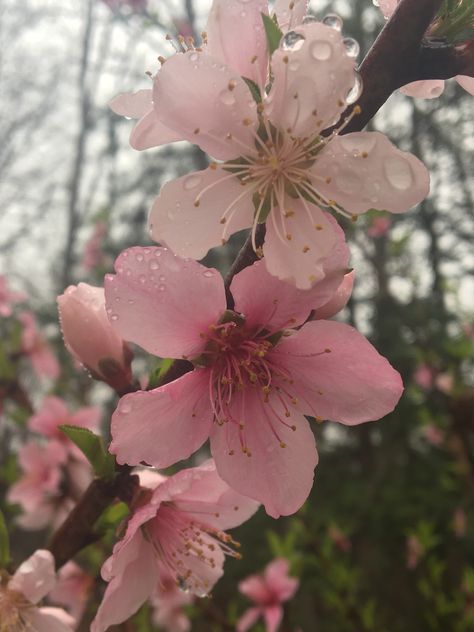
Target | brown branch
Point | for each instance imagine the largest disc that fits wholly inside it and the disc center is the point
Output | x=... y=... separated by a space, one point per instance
x=246 y=257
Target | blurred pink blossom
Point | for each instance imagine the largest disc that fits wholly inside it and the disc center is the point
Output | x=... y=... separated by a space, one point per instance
x=379 y=226
x=423 y=376
x=268 y=591
x=32 y=581
x=93 y=254
x=444 y=382
x=340 y=540
x=433 y=434
x=72 y=589
x=8 y=297
x=459 y=522
x=35 y=346
x=414 y=551
x=177 y=531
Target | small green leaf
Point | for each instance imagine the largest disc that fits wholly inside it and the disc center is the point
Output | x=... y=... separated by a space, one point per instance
x=273 y=33
x=4 y=543
x=254 y=89
x=156 y=376
x=92 y=446
x=112 y=517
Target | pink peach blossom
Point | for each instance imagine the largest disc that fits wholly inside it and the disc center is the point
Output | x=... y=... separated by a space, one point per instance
x=444 y=382
x=167 y=602
x=430 y=89
x=72 y=589
x=8 y=297
x=255 y=375
x=93 y=253
x=32 y=581
x=424 y=376
x=339 y=300
x=415 y=550
x=269 y=591
x=379 y=226
x=177 y=532
x=35 y=346
x=276 y=166
x=433 y=434
x=89 y=336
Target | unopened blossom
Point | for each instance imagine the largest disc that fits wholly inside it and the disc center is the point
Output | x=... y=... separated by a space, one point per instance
x=431 y=88
x=168 y=602
x=177 y=531
x=35 y=346
x=8 y=297
x=21 y=593
x=90 y=337
x=255 y=375
x=268 y=591
x=272 y=162
x=72 y=590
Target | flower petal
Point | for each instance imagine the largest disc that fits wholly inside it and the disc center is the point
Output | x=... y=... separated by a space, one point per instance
x=278 y=580
x=165 y=425
x=236 y=36
x=273 y=614
x=351 y=383
x=162 y=302
x=313 y=76
x=364 y=170
x=187 y=214
x=248 y=619
x=150 y=132
x=207 y=103
x=300 y=259
x=290 y=13
x=339 y=299
x=50 y=620
x=466 y=82
x=280 y=478
x=275 y=305
x=132 y=104
x=424 y=89
x=35 y=577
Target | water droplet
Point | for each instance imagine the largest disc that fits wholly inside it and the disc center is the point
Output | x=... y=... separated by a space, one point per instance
x=321 y=50
x=193 y=57
x=226 y=97
x=162 y=287
x=309 y=19
x=117 y=299
x=347 y=182
x=146 y=251
x=125 y=408
x=357 y=143
x=352 y=47
x=130 y=301
x=333 y=20
x=114 y=317
x=376 y=3
x=128 y=272
x=139 y=257
x=125 y=254
x=208 y=274
x=109 y=310
x=398 y=172
x=142 y=278
x=191 y=182
x=162 y=278
x=108 y=277
x=356 y=90
x=153 y=265
x=157 y=252
x=292 y=41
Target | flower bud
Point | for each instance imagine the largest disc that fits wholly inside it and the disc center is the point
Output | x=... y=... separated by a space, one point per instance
x=90 y=337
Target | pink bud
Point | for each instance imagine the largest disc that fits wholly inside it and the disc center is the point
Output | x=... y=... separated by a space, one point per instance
x=90 y=337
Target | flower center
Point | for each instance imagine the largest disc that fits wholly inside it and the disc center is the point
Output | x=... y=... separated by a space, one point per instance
x=14 y=611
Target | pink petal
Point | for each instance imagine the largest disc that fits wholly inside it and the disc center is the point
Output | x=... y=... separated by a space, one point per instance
x=44 y=362
x=350 y=384
x=366 y=171
x=299 y=260
x=132 y=104
x=278 y=580
x=35 y=577
x=339 y=299
x=134 y=580
x=52 y=413
x=179 y=411
x=280 y=478
x=248 y=619
x=191 y=225
x=156 y=300
x=150 y=132
x=273 y=616
x=430 y=89
x=236 y=36
x=256 y=589
x=50 y=620
x=201 y=488
x=87 y=417
x=290 y=13
x=275 y=305
x=205 y=101
x=317 y=70
x=466 y=82
x=388 y=7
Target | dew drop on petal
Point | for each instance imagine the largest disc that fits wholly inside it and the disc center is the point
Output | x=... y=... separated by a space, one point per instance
x=309 y=19
x=193 y=57
x=333 y=20
x=142 y=278
x=162 y=288
x=292 y=41
x=356 y=90
x=226 y=97
x=398 y=172
x=352 y=47
x=125 y=408
x=114 y=317
x=139 y=256
x=153 y=265
x=208 y=274
x=191 y=182
x=321 y=50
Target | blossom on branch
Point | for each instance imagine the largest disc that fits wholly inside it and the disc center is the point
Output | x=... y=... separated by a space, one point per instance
x=255 y=375
x=177 y=531
x=268 y=591
x=275 y=164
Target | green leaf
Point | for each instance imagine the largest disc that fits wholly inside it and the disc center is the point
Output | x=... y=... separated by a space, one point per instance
x=112 y=517
x=4 y=543
x=254 y=89
x=92 y=446
x=158 y=373
x=273 y=33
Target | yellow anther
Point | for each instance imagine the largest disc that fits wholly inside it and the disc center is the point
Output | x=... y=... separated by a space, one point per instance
x=318 y=227
x=289 y=236
x=231 y=453
x=213 y=165
x=197 y=203
x=285 y=59
x=312 y=278
x=197 y=130
x=365 y=154
x=231 y=85
x=247 y=121
x=161 y=59
x=357 y=109
x=354 y=218
x=327 y=350
x=305 y=248
x=328 y=180
x=282 y=445
x=253 y=59
x=223 y=220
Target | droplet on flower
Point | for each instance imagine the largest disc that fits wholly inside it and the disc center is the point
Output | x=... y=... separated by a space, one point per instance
x=356 y=90
x=226 y=97
x=142 y=278
x=162 y=288
x=139 y=257
x=193 y=57
x=332 y=20
x=321 y=50
x=309 y=19
x=191 y=182
x=352 y=47
x=292 y=41
x=153 y=265
x=208 y=274
x=125 y=408
x=398 y=172
x=114 y=317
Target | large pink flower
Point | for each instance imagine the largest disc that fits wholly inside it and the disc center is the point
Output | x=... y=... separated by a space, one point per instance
x=429 y=89
x=275 y=164
x=268 y=591
x=177 y=532
x=19 y=597
x=255 y=375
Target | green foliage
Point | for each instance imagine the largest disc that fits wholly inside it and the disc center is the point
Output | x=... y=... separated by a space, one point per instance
x=4 y=543
x=273 y=33
x=92 y=446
